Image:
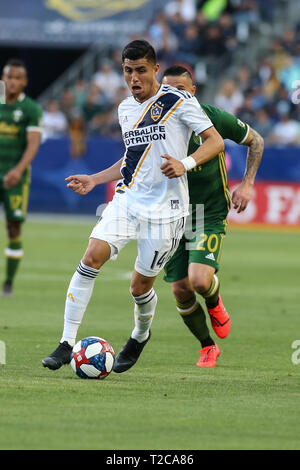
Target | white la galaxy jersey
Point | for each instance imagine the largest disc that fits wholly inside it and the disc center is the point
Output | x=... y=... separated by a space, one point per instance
x=161 y=125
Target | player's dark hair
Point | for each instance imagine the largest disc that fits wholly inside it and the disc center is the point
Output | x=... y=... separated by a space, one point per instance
x=176 y=71
x=139 y=49
x=16 y=63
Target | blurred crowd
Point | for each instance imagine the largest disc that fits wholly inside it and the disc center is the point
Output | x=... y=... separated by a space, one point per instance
x=206 y=35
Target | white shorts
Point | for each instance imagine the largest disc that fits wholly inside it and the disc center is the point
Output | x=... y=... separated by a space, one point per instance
x=156 y=242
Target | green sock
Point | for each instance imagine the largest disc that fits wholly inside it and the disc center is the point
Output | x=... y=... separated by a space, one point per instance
x=14 y=254
x=193 y=316
x=211 y=296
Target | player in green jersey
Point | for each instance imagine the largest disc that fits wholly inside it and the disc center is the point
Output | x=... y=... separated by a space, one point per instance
x=193 y=267
x=20 y=137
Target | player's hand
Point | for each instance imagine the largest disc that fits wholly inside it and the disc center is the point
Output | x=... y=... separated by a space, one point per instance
x=241 y=196
x=172 y=168
x=80 y=184
x=12 y=178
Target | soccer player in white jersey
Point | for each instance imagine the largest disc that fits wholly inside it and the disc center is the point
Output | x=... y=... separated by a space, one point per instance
x=150 y=202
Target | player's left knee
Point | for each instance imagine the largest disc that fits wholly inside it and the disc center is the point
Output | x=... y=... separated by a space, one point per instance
x=201 y=283
x=140 y=287
x=13 y=229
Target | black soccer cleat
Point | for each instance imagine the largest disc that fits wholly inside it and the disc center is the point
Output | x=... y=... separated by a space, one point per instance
x=7 y=289
x=130 y=353
x=59 y=357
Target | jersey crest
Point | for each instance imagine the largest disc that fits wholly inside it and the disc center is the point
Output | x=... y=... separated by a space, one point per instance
x=156 y=111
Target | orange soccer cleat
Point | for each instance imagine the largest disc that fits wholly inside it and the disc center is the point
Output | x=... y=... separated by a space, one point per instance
x=220 y=320
x=208 y=356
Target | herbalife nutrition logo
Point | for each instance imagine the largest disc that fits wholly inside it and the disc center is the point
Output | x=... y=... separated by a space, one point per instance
x=2 y=92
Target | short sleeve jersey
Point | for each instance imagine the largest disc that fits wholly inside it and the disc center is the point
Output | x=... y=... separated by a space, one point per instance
x=16 y=119
x=161 y=125
x=208 y=182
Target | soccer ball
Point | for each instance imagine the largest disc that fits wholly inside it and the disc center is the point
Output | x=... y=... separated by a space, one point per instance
x=92 y=358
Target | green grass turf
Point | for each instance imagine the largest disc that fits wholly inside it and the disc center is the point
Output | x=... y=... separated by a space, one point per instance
x=251 y=400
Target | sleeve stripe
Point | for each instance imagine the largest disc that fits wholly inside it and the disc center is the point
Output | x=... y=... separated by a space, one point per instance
x=246 y=136
x=171 y=111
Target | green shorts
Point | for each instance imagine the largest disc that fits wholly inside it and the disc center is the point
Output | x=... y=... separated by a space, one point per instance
x=15 y=201
x=206 y=249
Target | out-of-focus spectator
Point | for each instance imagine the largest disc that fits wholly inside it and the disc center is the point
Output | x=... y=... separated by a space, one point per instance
x=289 y=42
x=79 y=92
x=190 y=46
x=77 y=135
x=285 y=132
x=244 y=79
x=213 y=44
x=289 y=73
x=244 y=11
x=186 y=8
x=167 y=45
x=282 y=102
x=55 y=123
x=246 y=111
x=108 y=80
x=228 y=32
x=67 y=104
x=269 y=81
x=229 y=97
x=262 y=123
x=93 y=112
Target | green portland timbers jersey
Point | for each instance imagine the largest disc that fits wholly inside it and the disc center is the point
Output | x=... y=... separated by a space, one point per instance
x=15 y=120
x=208 y=182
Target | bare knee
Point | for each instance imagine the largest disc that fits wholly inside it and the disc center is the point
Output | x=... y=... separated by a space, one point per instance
x=182 y=290
x=140 y=284
x=97 y=253
x=13 y=229
x=202 y=283
x=201 y=276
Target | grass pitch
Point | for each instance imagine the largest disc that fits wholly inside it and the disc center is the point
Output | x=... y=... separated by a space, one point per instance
x=251 y=400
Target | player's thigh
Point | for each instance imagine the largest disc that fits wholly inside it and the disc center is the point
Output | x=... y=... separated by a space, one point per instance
x=16 y=202
x=154 y=252
x=115 y=227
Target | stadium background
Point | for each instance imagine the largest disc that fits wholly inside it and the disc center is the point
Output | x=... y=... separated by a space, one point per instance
x=245 y=56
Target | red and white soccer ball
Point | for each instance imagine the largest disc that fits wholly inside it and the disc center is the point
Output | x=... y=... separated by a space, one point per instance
x=92 y=358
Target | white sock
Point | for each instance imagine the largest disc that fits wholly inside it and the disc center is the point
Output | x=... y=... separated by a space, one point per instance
x=78 y=296
x=144 y=311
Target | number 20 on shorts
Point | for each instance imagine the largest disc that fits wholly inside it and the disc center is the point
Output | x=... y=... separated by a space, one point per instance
x=212 y=242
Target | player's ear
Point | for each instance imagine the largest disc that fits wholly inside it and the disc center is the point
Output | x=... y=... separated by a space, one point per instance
x=156 y=68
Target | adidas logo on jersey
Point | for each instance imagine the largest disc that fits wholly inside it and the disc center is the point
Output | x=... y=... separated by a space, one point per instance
x=210 y=256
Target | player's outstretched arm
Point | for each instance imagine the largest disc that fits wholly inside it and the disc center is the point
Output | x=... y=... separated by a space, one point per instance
x=83 y=184
x=243 y=193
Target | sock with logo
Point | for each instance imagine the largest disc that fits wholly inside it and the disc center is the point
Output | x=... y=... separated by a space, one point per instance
x=78 y=296
x=14 y=253
x=194 y=318
x=211 y=296
x=144 y=311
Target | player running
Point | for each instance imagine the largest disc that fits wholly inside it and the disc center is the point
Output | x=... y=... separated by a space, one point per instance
x=193 y=270
x=20 y=137
x=151 y=199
